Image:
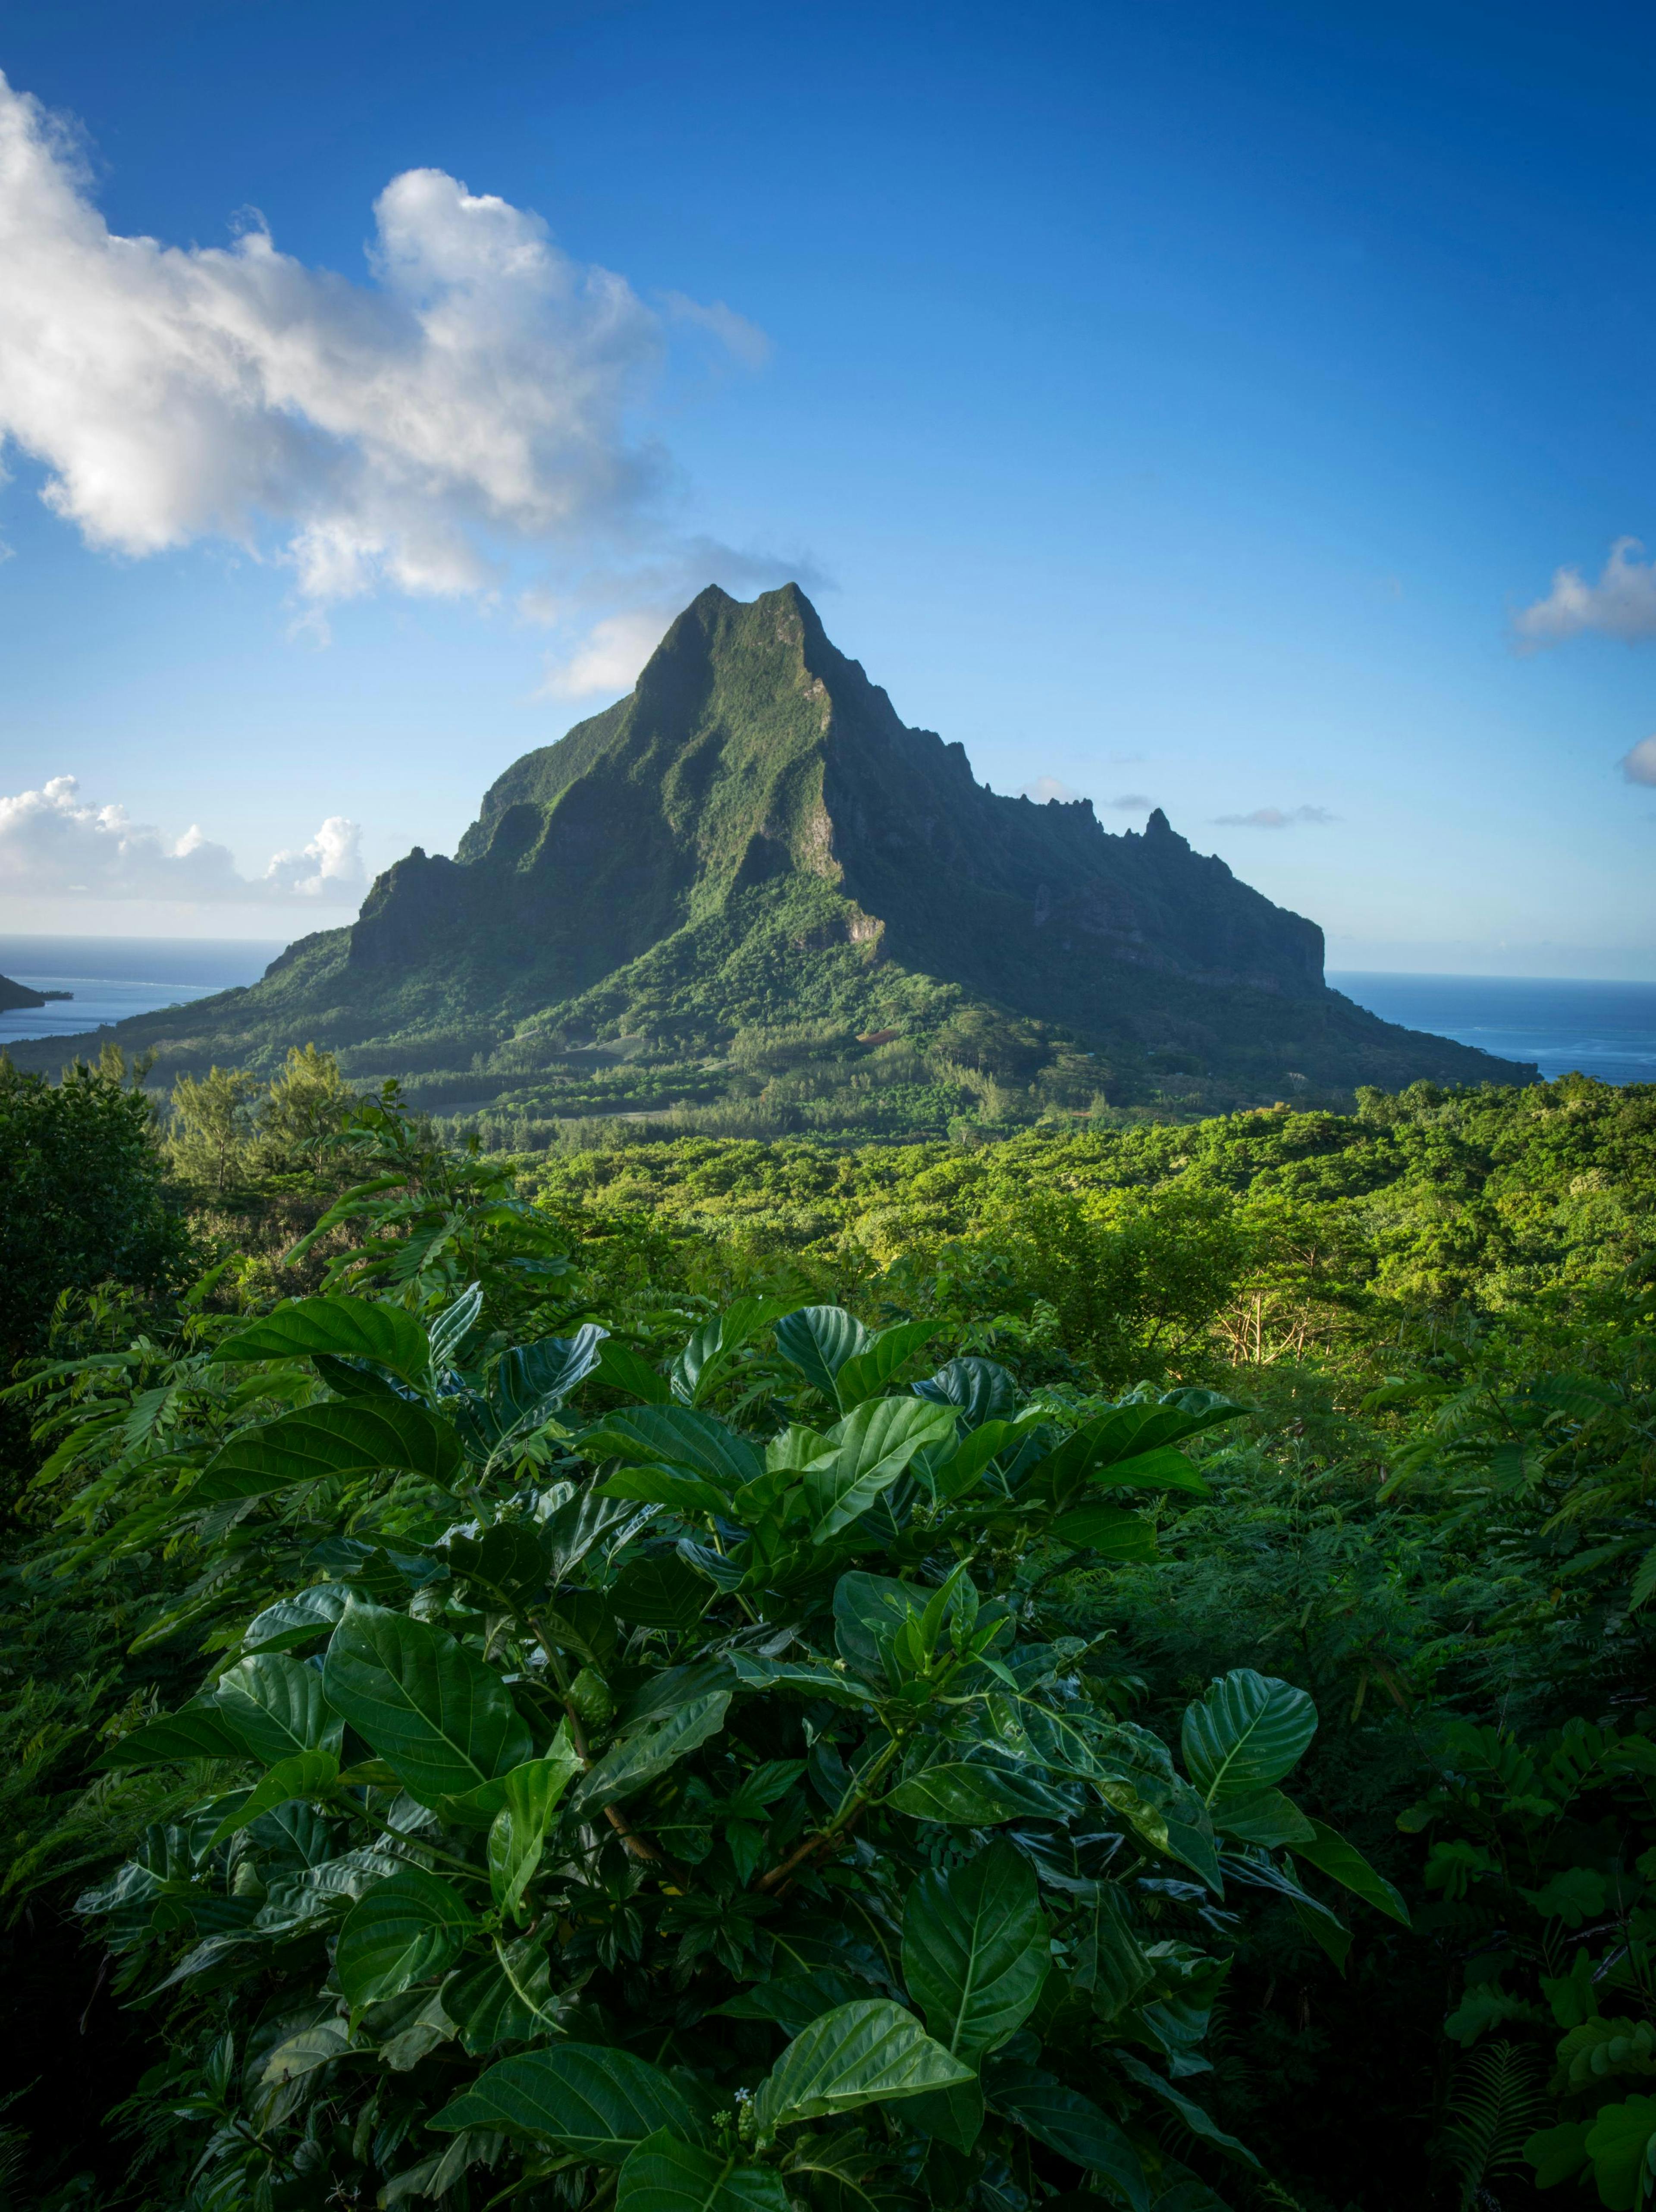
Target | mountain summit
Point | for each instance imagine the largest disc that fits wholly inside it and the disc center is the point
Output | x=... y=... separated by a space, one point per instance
x=752 y=838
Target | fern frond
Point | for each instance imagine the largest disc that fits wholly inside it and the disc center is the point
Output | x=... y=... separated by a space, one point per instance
x=1497 y=2104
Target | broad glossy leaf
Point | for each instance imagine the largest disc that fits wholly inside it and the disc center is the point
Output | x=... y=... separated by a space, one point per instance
x=1329 y=1853
x=518 y=1835
x=859 y=2054
x=624 y=1369
x=307 y=1774
x=1166 y=1468
x=1069 y=2123
x=818 y=1341
x=276 y=1705
x=586 y=2098
x=1249 y=1729
x=342 y=1439
x=660 y=1590
x=664 y=2174
x=1111 y=1532
x=953 y=2115
x=972 y=1794
x=579 y=1525
x=402 y=1931
x=976 y=1949
x=981 y=1390
x=348 y=1328
x=503 y=1997
x=434 y=1712
x=1558 y=2153
x=198 y=1730
x=868 y=1611
x=532 y=1381
x=841 y=1689
x=1126 y=1433
x=866 y=1373
x=304 y=2052
x=1263 y=1816
x=1620 y=2143
x=676 y=1436
x=630 y=1766
x=505 y=1563
x=871 y=1448
x=793 y=2001
x=293 y=1622
x=667 y=1485
x=453 y=1325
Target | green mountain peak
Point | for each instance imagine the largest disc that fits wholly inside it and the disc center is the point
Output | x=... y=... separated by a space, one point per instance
x=753 y=837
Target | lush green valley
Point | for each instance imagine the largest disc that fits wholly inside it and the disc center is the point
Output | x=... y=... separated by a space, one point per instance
x=1105 y=1661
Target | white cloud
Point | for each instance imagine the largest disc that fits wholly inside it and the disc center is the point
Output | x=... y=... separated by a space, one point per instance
x=1621 y=604
x=54 y=845
x=1275 y=817
x=1638 y=766
x=1043 y=789
x=603 y=652
x=609 y=659
x=475 y=394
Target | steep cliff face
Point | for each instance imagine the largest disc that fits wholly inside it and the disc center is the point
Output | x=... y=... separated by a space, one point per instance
x=753 y=837
x=753 y=756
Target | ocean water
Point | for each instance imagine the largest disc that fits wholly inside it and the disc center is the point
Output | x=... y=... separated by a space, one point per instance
x=1604 y=1030
x=111 y=978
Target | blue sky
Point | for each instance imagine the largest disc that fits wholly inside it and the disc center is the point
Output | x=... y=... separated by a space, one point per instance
x=1191 y=406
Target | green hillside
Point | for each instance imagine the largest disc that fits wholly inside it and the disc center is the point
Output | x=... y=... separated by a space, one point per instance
x=750 y=867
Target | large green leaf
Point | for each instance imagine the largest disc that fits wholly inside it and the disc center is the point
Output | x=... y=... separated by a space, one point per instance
x=982 y=1390
x=532 y=1381
x=591 y=2101
x=868 y=1611
x=665 y=2175
x=624 y=1369
x=871 y=1448
x=676 y=1436
x=976 y=1949
x=502 y=1997
x=1069 y=2123
x=518 y=1835
x=867 y=1372
x=307 y=1774
x=1329 y=1853
x=793 y=2001
x=1621 y=2144
x=971 y=1794
x=1111 y=1532
x=1263 y=1816
x=439 y=1719
x=291 y=1622
x=1165 y=1468
x=660 y=1591
x=1200 y=2122
x=628 y=1766
x=818 y=1341
x=198 y=1730
x=277 y=1706
x=342 y=1439
x=1249 y=1729
x=857 y=2054
x=347 y=1328
x=1125 y=1434
x=403 y=1931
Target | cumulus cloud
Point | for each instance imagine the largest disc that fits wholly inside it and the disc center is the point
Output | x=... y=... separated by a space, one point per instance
x=1621 y=604
x=1638 y=766
x=1275 y=817
x=54 y=844
x=1047 y=788
x=403 y=431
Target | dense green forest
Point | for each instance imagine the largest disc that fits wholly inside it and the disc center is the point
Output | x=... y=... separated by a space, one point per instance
x=1106 y=1664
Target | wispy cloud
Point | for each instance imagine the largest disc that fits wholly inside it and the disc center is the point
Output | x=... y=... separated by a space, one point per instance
x=407 y=431
x=54 y=844
x=1130 y=802
x=1276 y=817
x=1638 y=766
x=1621 y=604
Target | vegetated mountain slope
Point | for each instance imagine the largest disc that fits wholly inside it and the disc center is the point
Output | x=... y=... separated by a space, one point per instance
x=752 y=837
